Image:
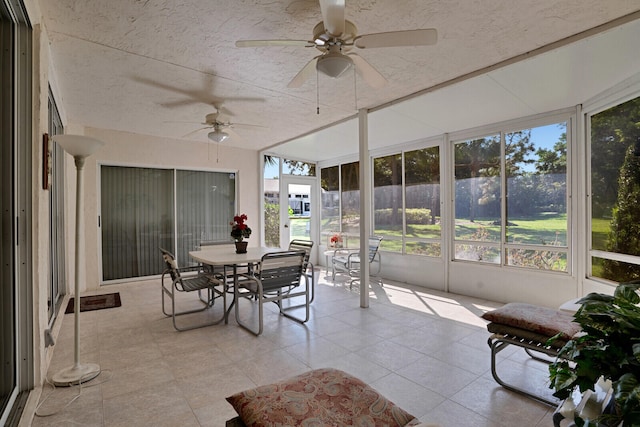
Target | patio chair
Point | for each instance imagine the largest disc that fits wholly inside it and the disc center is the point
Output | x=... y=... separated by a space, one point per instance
x=348 y=260
x=213 y=286
x=306 y=246
x=276 y=278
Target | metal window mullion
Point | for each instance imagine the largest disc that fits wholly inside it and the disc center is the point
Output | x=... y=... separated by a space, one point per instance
x=503 y=199
x=403 y=187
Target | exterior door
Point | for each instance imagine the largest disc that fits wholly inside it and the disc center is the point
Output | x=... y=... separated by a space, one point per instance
x=297 y=209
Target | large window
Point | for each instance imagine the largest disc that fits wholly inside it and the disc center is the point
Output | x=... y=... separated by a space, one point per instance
x=350 y=202
x=477 y=199
x=615 y=192
x=142 y=210
x=511 y=198
x=387 y=201
x=422 y=195
x=330 y=200
x=340 y=204
x=407 y=201
x=271 y=183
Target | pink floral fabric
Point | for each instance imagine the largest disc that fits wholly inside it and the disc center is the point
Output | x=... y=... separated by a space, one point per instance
x=322 y=397
x=540 y=320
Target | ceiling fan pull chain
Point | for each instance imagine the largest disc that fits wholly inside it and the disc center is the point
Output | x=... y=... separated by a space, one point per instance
x=317 y=92
x=355 y=89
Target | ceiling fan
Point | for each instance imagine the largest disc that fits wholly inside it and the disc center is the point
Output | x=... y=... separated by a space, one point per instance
x=221 y=130
x=335 y=36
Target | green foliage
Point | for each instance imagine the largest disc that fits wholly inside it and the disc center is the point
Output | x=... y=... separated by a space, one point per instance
x=272 y=225
x=553 y=161
x=413 y=216
x=609 y=346
x=612 y=132
x=624 y=234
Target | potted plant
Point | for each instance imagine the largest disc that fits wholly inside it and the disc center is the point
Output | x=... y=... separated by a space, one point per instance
x=609 y=346
x=336 y=240
x=240 y=231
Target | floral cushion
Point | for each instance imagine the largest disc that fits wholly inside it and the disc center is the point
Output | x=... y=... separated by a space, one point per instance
x=321 y=397
x=540 y=320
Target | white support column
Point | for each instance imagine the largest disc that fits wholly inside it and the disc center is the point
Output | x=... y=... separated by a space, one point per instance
x=365 y=205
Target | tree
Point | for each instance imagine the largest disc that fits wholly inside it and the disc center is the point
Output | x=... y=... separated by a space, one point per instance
x=476 y=159
x=553 y=161
x=624 y=235
x=387 y=172
x=612 y=131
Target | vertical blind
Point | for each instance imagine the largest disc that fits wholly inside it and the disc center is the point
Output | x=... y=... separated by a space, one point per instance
x=144 y=209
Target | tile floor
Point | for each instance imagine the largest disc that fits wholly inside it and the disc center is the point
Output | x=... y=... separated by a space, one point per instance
x=425 y=350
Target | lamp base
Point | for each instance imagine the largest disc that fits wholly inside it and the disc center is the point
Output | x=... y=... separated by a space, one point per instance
x=75 y=375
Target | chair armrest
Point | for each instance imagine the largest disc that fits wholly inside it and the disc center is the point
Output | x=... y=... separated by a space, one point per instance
x=344 y=252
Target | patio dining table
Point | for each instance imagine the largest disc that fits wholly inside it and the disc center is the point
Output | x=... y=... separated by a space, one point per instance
x=226 y=256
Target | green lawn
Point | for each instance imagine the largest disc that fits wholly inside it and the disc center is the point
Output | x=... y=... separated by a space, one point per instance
x=543 y=229
x=299 y=227
x=600 y=228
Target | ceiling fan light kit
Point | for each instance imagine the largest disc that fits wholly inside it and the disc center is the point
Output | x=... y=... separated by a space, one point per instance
x=218 y=136
x=334 y=64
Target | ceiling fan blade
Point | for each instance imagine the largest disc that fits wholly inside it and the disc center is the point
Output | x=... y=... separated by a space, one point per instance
x=424 y=37
x=233 y=135
x=368 y=73
x=181 y=103
x=333 y=16
x=260 y=43
x=195 y=131
x=234 y=124
x=304 y=74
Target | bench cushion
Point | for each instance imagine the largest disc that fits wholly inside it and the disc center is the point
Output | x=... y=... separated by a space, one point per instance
x=539 y=320
x=318 y=397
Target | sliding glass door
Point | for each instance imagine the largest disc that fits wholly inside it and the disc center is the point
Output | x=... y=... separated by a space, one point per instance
x=144 y=209
x=16 y=211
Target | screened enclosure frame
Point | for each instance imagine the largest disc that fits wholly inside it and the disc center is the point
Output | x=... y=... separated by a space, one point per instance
x=503 y=245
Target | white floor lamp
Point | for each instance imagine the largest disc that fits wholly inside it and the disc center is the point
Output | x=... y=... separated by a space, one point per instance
x=80 y=147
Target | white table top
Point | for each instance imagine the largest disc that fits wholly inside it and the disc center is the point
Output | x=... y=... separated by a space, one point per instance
x=226 y=255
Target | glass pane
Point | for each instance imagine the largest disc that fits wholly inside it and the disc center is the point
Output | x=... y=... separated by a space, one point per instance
x=488 y=254
x=300 y=214
x=387 y=196
x=617 y=271
x=422 y=192
x=295 y=167
x=615 y=187
x=391 y=244
x=271 y=201
x=350 y=197
x=205 y=206
x=330 y=195
x=536 y=167
x=137 y=219
x=478 y=189
x=538 y=259
x=423 y=248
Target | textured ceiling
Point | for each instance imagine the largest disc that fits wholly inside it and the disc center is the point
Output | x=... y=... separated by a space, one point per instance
x=157 y=67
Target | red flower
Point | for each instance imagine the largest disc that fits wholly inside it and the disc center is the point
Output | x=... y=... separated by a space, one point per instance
x=240 y=230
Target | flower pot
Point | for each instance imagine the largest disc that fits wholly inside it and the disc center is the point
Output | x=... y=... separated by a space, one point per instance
x=241 y=247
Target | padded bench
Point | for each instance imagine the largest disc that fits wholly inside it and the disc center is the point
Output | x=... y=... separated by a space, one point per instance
x=323 y=397
x=529 y=327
